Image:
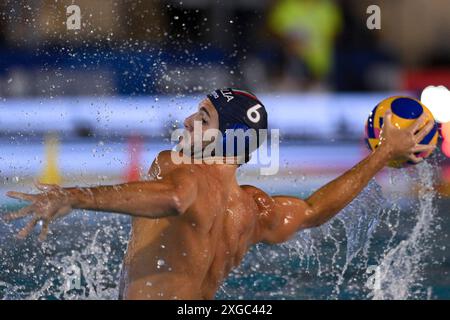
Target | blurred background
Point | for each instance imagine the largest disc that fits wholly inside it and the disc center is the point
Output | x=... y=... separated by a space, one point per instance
x=134 y=69
x=177 y=47
x=95 y=104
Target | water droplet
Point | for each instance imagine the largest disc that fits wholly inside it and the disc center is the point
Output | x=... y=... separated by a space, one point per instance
x=160 y=263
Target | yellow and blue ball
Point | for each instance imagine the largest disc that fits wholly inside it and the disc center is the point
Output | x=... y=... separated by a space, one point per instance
x=405 y=111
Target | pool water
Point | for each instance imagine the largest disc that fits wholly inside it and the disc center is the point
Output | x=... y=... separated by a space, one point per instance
x=379 y=247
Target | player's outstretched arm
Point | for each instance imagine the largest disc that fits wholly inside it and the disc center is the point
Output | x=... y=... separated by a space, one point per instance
x=150 y=199
x=289 y=214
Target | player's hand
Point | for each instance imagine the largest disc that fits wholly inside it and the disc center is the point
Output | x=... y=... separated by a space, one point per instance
x=404 y=143
x=53 y=202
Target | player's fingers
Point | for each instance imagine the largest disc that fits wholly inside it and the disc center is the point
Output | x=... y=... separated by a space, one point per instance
x=424 y=131
x=387 y=121
x=43 y=186
x=28 y=228
x=423 y=148
x=418 y=123
x=18 y=214
x=415 y=159
x=20 y=195
x=44 y=231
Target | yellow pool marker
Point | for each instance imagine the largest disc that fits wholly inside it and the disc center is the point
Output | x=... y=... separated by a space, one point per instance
x=51 y=173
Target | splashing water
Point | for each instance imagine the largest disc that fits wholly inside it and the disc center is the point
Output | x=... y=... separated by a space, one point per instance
x=400 y=270
x=89 y=265
x=80 y=261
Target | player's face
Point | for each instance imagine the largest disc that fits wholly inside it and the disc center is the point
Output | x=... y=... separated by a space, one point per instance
x=206 y=116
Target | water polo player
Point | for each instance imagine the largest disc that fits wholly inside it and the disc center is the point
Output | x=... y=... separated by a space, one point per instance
x=193 y=223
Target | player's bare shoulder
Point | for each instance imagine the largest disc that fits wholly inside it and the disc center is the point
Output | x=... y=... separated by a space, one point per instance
x=263 y=201
x=265 y=205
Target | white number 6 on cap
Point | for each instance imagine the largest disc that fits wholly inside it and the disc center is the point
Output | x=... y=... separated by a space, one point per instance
x=253 y=113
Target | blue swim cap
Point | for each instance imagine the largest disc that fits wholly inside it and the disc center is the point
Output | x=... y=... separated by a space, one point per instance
x=239 y=109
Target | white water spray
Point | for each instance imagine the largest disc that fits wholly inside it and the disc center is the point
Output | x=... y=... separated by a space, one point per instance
x=400 y=269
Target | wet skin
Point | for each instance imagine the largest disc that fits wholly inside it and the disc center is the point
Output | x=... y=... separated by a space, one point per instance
x=193 y=223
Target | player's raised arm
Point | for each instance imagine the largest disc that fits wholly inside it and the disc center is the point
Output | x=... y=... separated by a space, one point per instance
x=170 y=196
x=289 y=214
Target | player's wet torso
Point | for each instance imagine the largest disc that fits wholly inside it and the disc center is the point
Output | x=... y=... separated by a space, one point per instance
x=188 y=256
